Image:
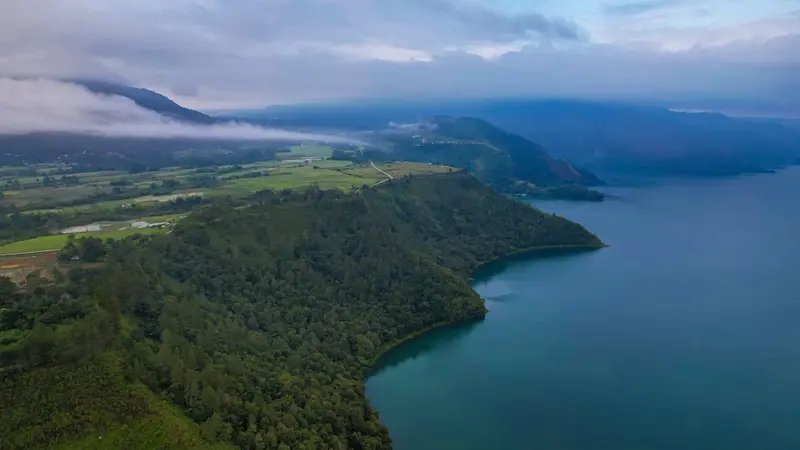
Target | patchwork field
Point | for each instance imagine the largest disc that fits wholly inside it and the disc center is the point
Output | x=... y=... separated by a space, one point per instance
x=234 y=181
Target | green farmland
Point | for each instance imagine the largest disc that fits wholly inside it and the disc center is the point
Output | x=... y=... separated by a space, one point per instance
x=56 y=242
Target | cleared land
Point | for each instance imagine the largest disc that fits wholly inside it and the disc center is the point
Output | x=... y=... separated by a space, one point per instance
x=18 y=267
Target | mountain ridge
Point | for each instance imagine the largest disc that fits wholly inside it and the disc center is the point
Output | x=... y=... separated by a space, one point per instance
x=605 y=137
x=506 y=161
x=147 y=99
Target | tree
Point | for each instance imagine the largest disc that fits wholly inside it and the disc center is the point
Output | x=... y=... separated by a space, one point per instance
x=211 y=428
x=7 y=289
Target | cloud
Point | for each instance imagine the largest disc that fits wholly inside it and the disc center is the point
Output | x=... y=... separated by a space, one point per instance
x=38 y=105
x=639 y=7
x=215 y=54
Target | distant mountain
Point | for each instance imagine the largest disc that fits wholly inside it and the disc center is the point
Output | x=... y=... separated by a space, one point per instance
x=506 y=161
x=606 y=138
x=91 y=152
x=651 y=141
x=147 y=99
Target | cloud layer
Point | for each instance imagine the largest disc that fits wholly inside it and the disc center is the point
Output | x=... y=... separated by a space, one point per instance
x=215 y=54
x=39 y=105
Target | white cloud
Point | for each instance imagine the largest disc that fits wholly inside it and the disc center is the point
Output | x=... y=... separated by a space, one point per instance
x=215 y=54
x=38 y=105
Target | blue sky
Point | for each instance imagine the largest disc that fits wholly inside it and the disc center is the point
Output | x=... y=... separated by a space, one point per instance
x=721 y=12
x=216 y=54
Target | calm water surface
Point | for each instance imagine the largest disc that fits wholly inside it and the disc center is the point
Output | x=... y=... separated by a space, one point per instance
x=683 y=334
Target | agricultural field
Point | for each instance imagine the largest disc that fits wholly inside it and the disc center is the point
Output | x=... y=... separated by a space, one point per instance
x=56 y=242
x=229 y=180
x=310 y=150
x=89 y=193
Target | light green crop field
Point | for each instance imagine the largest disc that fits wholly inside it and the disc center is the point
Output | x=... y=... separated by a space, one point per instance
x=398 y=169
x=296 y=177
x=42 y=194
x=56 y=242
x=165 y=218
x=327 y=174
x=331 y=164
x=309 y=151
x=346 y=179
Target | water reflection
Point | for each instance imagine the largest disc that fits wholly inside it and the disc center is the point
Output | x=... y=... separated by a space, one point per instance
x=439 y=339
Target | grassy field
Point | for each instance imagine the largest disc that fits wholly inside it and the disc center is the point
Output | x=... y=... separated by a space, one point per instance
x=56 y=242
x=326 y=173
x=308 y=151
x=330 y=175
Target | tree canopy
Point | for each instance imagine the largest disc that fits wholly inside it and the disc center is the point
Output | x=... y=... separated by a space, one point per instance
x=257 y=323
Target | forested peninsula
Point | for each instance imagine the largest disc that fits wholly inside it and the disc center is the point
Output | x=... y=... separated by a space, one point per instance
x=252 y=327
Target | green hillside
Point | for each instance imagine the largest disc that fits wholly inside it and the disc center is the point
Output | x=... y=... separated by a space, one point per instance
x=255 y=326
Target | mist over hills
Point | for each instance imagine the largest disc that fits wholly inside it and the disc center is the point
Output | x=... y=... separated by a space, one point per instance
x=566 y=137
x=114 y=126
x=609 y=138
x=148 y=99
x=132 y=128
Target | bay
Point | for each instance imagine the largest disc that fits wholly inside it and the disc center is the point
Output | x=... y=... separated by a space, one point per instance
x=683 y=334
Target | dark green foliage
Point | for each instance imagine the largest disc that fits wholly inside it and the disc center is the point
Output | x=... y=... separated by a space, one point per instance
x=85 y=249
x=17 y=227
x=260 y=322
x=44 y=406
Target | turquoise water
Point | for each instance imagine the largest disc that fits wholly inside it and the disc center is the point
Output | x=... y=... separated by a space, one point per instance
x=683 y=334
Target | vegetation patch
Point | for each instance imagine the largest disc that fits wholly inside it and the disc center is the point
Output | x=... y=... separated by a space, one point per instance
x=56 y=242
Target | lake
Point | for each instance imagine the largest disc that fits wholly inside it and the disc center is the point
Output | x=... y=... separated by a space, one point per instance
x=683 y=334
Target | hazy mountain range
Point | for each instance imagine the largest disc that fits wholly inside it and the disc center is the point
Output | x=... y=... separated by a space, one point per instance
x=606 y=138
x=609 y=138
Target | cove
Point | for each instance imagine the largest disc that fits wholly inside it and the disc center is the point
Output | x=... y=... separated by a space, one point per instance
x=683 y=334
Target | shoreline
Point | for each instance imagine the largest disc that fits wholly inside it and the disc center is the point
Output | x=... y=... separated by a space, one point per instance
x=536 y=249
x=373 y=365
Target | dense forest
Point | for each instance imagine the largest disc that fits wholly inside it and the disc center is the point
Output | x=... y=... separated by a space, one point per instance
x=251 y=326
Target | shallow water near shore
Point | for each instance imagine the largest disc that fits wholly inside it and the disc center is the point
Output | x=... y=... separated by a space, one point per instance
x=683 y=334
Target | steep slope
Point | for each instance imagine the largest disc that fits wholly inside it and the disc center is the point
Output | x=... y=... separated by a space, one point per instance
x=506 y=161
x=259 y=323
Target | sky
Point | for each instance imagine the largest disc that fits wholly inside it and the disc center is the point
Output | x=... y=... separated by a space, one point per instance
x=732 y=55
